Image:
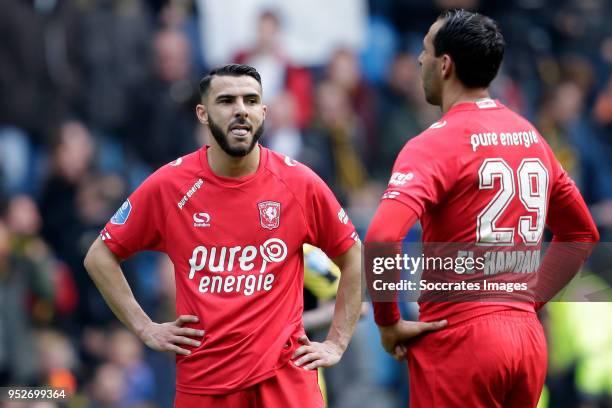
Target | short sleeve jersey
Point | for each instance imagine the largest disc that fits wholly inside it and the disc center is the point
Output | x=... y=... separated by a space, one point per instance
x=236 y=246
x=484 y=175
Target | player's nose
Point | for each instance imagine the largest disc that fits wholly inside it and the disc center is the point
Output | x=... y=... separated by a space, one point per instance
x=240 y=109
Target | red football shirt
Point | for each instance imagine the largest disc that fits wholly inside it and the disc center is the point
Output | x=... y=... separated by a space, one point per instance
x=236 y=246
x=482 y=175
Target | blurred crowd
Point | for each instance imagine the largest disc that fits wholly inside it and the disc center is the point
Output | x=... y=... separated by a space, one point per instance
x=96 y=94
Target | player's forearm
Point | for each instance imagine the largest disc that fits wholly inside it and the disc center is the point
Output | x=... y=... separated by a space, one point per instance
x=105 y=271
x=348 y=300
x=389 y=226
x=559 y=266
x=562 y=262
x=386 y=309
x=575 y=236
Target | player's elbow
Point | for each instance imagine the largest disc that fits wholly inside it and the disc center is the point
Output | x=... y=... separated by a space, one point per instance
x=97 y=256
x=89 y=261
x=591 y=234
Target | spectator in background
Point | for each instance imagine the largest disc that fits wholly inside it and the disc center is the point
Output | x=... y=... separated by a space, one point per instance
x=560 y=122
x=126 y=352
x=19 y=278
x=21 y=64
x=167 y=128
x=602 y=113
x=39 y=64
x=505 y=88
x=598 y=170
x=15 y=153
x=344 y=71
x=107 y=387
x=277 y=71
x=58 y=361
x=115 y=38
x=24 y=222
x=39 y=79
x=181 y=15
x=335 y=144
x=93 y=351
x=283 y=134
x=580 y=24
x=72 y=154
x=402 y=112
x=75 y=202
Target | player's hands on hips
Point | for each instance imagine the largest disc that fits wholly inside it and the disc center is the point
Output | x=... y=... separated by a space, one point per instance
x=394 y=337
x=313 y=355
x=168 y=336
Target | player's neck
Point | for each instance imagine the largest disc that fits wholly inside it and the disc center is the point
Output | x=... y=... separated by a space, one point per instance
x=224 y=165
x=460 y=94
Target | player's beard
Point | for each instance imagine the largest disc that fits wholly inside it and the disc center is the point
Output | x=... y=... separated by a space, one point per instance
x=431 y=93
x=431 y=86
x=223 y=139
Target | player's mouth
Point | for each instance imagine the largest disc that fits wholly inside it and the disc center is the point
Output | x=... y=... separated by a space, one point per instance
x=240 y=130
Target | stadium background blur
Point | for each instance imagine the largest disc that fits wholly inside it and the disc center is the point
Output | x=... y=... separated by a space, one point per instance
x=96 y=94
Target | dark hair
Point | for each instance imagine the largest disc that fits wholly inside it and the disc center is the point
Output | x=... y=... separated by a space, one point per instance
x=228 y=70
x=474 y=42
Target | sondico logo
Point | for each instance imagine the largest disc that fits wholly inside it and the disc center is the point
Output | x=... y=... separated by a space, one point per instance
x=201 y=219
x=225 y=259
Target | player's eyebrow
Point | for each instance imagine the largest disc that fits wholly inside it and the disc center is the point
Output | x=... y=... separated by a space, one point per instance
x=222 y=97
x=251 y=95
x=225 y=96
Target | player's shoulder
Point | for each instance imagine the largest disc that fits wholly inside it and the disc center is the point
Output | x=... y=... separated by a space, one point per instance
x=515 y=117
x=435 y=139
x=289 y=170
x=487 y=113
x=177 y=171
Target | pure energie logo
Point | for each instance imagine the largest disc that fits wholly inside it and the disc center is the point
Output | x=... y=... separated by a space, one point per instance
x=242 y=261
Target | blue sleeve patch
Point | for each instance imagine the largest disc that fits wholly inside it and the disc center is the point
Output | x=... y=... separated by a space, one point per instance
x=122 y=213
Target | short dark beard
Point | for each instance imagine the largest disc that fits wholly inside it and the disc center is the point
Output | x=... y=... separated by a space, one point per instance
x=222 y=140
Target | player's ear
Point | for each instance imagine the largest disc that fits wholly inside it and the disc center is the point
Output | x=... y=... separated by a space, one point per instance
x=202 y=113
x=265 y=111
x=447 y=66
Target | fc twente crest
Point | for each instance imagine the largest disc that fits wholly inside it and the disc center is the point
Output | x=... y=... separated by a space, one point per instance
x=269 y=214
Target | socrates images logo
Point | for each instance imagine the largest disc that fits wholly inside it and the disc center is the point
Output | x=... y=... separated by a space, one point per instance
x=122 y=214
